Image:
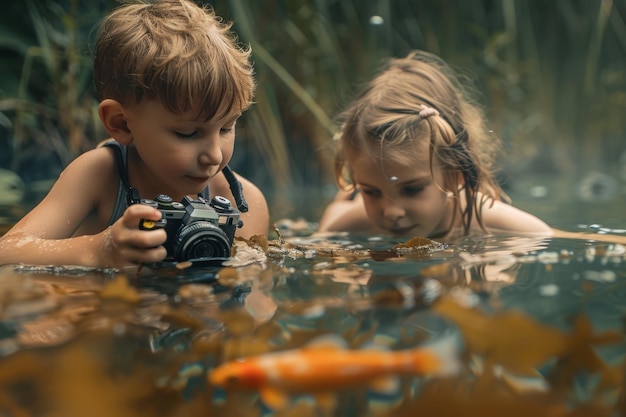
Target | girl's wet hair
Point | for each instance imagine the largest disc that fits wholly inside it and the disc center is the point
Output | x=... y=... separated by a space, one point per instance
x=385 y=120
x=176 y=52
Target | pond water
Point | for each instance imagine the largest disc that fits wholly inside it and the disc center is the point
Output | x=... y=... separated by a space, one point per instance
x=536 y=325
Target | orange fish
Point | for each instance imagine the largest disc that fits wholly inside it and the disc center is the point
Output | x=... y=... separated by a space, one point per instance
x=325 y=366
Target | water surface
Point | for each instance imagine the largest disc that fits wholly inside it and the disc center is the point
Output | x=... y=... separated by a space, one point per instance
x=76 y=341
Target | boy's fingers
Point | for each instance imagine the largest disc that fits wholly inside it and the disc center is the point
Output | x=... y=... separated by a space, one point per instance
x=149 y=255
x=139 y=256
x=136 y=212
x=149 y=240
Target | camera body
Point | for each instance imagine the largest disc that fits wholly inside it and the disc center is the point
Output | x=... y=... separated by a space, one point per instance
x=196 y=229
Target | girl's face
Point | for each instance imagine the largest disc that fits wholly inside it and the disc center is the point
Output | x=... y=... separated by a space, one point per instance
x=401 y=197
x=178 y=153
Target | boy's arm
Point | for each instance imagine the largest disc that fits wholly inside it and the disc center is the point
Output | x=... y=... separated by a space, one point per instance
x=44 y=236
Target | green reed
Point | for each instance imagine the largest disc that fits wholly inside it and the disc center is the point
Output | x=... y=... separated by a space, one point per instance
x=550 y=73
x=53 y=110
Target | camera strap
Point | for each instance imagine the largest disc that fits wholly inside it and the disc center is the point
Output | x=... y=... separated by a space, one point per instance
x=236 y=189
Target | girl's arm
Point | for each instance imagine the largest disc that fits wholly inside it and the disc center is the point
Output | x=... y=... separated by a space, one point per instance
x=506 y=218
x=503 y=217
x=45 y=235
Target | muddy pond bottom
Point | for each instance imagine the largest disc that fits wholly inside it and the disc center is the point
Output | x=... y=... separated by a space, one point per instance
x=490 y=326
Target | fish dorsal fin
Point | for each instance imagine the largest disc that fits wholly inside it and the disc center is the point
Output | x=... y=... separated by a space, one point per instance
x=327 y=342
x=524 y=384
x=389 y=385
x=326 y=401
x=273 y=398
x=377 y=344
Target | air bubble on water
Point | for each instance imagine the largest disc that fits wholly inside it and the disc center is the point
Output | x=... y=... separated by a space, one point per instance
x=376 y=20
x=119 y=329
x=548 y=257
x=321 y=265
x=538 y=191
x=600 y=276
x=549 y=290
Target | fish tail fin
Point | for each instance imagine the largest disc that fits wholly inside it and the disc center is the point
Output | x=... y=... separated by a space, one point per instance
x=440 y=358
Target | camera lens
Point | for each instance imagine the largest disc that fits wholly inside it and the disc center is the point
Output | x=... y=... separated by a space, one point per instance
x=201 y=239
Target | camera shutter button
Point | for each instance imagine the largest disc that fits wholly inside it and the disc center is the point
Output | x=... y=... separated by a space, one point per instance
x=163 y=198
x=220 y=202
x=150 y=203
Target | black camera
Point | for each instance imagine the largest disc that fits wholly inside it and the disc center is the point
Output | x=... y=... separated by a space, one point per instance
x=197 y=230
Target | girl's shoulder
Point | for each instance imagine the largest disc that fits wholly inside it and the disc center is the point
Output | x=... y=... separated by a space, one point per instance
x=498 y=216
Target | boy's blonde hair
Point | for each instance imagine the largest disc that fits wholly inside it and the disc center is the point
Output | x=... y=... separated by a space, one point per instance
x=384 y=121
x=176 y=52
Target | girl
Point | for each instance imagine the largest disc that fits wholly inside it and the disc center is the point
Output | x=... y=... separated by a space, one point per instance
x=416 y=149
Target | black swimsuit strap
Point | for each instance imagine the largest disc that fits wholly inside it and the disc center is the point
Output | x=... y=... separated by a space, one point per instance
x=132 y=194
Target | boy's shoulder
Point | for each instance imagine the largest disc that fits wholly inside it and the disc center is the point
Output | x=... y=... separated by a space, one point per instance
x=256 y=220
x=97 y=160
x=220 y=186
x=91 y=173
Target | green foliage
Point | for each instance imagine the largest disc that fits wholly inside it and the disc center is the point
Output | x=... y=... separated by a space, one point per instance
x=550 y=73
x=52 y=109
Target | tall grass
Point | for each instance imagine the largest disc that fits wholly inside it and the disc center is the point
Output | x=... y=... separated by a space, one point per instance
x=53 y=110
x=551 y=73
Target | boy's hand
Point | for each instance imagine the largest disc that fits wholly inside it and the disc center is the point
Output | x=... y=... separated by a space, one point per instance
x=124 y=243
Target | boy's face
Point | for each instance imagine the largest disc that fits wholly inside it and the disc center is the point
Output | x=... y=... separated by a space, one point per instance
x=179 y=154
x=401 y=196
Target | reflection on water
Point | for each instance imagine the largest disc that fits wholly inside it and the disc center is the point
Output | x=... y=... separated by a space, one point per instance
x=540 y=321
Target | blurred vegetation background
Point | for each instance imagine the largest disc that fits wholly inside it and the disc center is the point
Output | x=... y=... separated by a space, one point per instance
x=551 y=73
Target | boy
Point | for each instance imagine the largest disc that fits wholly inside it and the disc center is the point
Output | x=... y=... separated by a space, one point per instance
x=172 y=82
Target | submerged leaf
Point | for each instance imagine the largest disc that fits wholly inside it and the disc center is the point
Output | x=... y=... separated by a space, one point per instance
x=120 y=289
x=506 y=338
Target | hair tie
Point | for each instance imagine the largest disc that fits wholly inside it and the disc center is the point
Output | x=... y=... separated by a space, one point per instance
x=426 y=112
